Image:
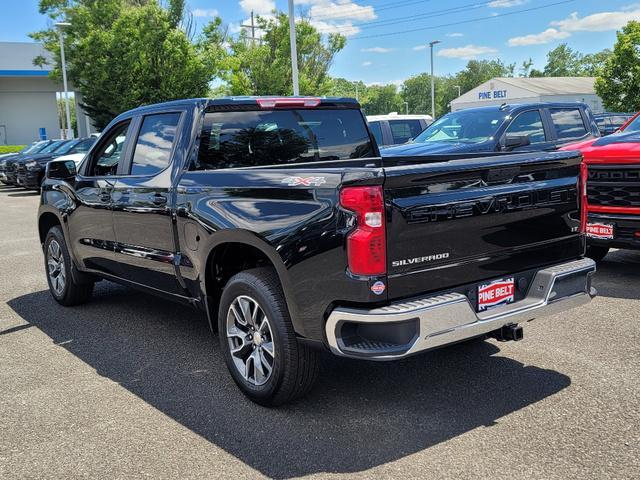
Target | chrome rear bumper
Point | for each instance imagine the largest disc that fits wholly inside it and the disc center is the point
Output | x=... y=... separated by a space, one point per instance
x=408 y=327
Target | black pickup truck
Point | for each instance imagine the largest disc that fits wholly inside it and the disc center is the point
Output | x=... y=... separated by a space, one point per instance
x=279 y=218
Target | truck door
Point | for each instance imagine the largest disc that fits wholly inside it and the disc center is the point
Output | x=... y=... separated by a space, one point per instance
x=142 y=217
x=90 y=223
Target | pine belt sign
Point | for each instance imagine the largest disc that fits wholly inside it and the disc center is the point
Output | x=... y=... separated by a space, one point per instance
x=492 y=94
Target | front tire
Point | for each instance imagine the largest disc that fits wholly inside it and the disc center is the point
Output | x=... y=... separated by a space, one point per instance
x=597 y=253
x=259 y=344
x=63 y=285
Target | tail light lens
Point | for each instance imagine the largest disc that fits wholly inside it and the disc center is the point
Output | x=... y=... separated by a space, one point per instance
x=366 y=244
x=584 y=174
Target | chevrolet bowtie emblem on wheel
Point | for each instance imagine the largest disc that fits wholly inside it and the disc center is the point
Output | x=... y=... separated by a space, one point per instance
x=304 y=181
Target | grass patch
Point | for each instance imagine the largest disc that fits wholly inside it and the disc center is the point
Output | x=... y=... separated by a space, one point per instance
x=10 y=148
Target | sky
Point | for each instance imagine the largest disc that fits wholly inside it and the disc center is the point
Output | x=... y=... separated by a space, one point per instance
x=386 y=39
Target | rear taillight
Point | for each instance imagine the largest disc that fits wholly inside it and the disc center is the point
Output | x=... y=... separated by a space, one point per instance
x=584 y=174
x=366 y=244
x=288 y=102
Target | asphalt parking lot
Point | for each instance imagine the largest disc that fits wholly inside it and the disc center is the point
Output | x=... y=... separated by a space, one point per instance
x=133 y=386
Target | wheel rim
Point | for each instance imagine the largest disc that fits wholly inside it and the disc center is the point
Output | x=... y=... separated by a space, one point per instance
x=55 y=267
x=250 y=340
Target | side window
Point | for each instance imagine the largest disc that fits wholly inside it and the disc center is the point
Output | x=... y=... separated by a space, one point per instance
x=106 y=159
x=568 y=123
x=376 y=131
x=404 y=130
x=152 y=152
x=530 y=124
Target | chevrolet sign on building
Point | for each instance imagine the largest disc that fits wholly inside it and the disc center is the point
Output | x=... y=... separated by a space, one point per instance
x=530 y=90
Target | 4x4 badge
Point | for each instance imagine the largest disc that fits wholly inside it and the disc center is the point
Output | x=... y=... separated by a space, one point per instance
x=304 y=181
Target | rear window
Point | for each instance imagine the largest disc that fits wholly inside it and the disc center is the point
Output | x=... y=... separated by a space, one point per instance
x=404 y=130
x=272 y=137
x=568 y=122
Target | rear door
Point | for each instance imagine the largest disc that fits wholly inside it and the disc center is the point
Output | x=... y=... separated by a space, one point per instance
x=570 y=125
x=461 y=221
x=145 y=247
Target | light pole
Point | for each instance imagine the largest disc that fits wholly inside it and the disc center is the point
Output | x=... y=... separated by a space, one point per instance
x=294 y=50
x=458 y=87
x=433 y=93
x=61 y=26
x=406 y=108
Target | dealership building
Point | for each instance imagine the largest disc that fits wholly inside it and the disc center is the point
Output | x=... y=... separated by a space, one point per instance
x=530 y=90
x=28 y=108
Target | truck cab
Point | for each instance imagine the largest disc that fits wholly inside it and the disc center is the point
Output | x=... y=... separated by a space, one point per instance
x=504 y=128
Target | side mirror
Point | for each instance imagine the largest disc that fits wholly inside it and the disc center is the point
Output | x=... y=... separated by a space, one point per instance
x=516 y=141
x=61 y=169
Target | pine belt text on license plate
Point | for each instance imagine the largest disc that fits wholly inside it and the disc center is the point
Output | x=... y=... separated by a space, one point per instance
x=495 y=293
x=600 y=230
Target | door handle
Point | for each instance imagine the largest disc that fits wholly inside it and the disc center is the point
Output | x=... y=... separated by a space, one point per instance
x=159 y=199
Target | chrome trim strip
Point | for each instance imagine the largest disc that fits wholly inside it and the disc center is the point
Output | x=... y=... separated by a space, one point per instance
x=450 y=318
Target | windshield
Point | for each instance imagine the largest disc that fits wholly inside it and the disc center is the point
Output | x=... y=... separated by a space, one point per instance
x=633 y=126
x=267 y=137
x=35 y=147
x=53 y=146
x=66 y=147
x=470 y=126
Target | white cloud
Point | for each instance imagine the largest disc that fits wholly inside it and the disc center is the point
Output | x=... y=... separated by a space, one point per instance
x=417 y=48
x=397 y=83
x=377 y=50
x=455 y=34
x=340 y=10
x=205 y=12
x=467 y=52
x=597 y=22
x=367 y=64
x=549 y=35
x=259 y=7
x=506 y=3
x=347 y=29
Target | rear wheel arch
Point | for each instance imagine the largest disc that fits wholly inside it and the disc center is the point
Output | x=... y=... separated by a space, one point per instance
x=230 y=256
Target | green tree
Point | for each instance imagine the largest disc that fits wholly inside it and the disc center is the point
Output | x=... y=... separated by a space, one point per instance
x=264 y=68
x=479 y=71
x=563 y=61
x=126 y=53
x=593 y=64
x=416 y=91
x=381 y=99
x=619 y=83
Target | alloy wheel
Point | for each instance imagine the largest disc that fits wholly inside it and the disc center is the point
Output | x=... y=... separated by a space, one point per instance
x=250 y=340
x=55 y=267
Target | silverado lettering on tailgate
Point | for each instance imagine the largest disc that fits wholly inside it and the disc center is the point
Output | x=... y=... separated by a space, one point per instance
x=486 y=205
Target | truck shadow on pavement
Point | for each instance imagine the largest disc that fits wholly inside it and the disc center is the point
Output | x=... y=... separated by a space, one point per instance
x=618 y=275
x=360 y=415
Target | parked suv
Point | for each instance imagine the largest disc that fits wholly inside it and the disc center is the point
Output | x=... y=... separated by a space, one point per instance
x=521 y=128
x=394 y=129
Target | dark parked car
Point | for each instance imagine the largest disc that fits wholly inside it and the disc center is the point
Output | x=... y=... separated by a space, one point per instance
x=11 y=167
x=609 y=123
x=521 y=128
x=278 y=218
x=394 y=129
x=7 y=161
x=30 y=168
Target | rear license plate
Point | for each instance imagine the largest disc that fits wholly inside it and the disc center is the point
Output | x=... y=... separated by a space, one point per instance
x=498 y=292
x=600 y=230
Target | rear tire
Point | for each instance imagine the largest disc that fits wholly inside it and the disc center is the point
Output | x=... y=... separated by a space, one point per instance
x=63 y=283
x=259 y=344
x=597 y=253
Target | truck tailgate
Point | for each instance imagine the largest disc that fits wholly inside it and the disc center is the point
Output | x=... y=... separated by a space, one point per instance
x=461 y=221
